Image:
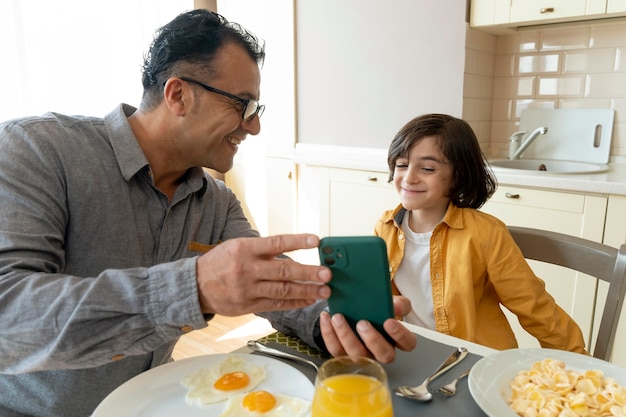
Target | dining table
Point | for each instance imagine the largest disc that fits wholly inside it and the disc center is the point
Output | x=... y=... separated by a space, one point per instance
x=160 y=393
x=408 y=368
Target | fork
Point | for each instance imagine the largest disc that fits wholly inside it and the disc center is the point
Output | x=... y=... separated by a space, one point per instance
x=450 y=389
x=259 y=347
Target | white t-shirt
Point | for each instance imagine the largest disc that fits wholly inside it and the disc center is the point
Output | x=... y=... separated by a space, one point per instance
x=413 y=276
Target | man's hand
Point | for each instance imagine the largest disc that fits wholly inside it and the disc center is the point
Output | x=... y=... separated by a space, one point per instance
x=341 y=340
x=244 y=275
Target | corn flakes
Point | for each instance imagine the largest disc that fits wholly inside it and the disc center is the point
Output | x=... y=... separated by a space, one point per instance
x=548 y=389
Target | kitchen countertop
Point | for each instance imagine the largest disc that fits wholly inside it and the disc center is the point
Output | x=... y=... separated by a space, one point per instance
x=611 y=182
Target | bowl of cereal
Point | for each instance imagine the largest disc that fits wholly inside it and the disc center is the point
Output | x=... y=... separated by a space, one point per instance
x=522 y=382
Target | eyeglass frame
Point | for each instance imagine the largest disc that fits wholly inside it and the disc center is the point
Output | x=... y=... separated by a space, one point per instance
x=243 y=101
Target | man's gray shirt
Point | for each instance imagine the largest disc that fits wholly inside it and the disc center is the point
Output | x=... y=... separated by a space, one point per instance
x=97 y=267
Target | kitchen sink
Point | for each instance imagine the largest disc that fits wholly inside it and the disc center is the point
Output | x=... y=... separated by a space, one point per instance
x=549 y=166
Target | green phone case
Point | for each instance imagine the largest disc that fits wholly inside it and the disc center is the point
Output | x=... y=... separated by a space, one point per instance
x=361 y=286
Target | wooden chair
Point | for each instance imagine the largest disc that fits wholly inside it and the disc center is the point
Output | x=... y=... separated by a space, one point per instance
x=591 y=258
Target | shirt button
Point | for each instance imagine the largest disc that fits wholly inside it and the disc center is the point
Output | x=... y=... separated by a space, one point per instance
x=117 y=357
x=400 y=236
x=186 y=329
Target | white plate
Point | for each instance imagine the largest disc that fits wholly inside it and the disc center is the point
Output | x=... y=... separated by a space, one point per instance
x=159 y=392
x=490 y=377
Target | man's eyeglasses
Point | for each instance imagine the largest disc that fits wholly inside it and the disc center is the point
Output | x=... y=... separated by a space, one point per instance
x=251 y=108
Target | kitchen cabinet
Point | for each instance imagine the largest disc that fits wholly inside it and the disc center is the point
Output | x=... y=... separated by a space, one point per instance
x=498 y=15
x=615 y=228
x=341 y=202
x=489 y=12
x=357 y=200
x=550 y=10
x=616 y=6
x=570 y=213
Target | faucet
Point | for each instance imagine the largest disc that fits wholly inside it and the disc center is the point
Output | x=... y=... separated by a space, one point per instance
x=515 y=149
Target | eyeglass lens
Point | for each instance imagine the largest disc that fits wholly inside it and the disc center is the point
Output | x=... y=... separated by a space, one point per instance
x=252 y=109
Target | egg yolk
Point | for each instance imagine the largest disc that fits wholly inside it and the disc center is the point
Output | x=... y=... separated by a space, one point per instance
x=259 y=401
x=232 y=381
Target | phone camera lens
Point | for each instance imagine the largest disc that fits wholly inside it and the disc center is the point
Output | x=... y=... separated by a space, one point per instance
x=329 y=260
x=327 y=250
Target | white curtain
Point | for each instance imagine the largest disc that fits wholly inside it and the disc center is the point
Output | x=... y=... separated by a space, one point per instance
x=76 y=56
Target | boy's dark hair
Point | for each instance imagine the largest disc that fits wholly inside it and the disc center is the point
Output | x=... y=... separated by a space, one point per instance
x=473 y=181
x=191 y=39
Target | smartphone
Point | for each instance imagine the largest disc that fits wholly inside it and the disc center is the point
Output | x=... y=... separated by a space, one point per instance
x=361 y=285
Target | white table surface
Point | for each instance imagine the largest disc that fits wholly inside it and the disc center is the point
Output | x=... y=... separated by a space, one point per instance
x=450 y=340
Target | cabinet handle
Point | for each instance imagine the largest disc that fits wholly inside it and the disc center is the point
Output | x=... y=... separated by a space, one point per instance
x=373 y=179
x=547 y=10
x=509 y=195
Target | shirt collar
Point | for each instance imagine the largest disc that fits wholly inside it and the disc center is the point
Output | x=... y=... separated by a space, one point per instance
x=453 y=217
x=130 y=156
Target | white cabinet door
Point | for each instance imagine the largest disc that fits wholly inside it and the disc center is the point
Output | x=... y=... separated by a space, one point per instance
x=570 y=213
x=533 y=10
x=341 y=202
x=489 y=12
x=615 y=235
x=616 y=6
x=357 y=200
x=596 y=7
x=494 y=15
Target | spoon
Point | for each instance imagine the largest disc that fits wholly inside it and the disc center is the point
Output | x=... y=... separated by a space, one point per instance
x=258 y=347
x=421 y=393
x=450 y=389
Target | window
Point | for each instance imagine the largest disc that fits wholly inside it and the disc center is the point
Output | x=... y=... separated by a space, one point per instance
x=76 y=56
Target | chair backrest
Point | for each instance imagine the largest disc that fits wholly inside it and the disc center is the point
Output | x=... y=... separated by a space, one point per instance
x=592 y=258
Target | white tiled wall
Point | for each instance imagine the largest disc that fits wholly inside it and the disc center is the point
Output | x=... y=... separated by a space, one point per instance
x=478 y=85
x=573 y=67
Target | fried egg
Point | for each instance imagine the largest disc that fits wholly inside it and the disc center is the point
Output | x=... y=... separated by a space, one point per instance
x=217 y=383
x=265 y=404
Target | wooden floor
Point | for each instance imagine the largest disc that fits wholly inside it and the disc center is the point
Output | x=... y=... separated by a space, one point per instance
x=223 y=335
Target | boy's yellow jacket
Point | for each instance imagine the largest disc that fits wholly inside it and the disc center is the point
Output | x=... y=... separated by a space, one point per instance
x=475 y=266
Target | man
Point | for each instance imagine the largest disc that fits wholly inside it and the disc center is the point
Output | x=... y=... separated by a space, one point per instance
x=113 y=240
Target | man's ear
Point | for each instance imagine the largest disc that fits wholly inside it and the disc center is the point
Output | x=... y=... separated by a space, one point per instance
x=177 y=96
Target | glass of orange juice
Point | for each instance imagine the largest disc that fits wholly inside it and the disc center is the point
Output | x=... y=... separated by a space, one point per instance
x=348 y=386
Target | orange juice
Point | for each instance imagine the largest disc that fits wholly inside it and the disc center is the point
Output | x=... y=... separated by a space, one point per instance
x=348 y=395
